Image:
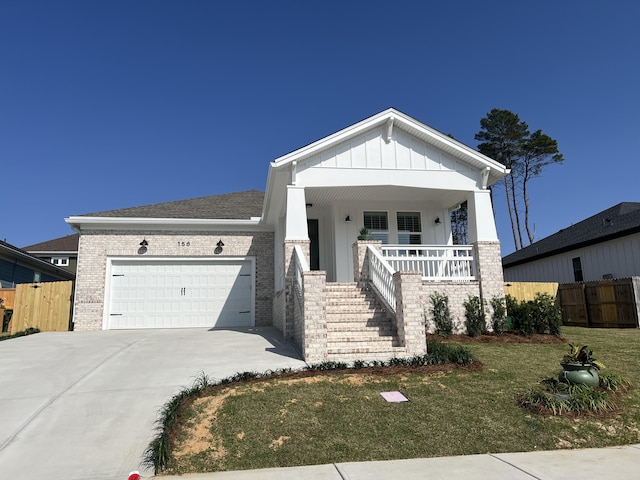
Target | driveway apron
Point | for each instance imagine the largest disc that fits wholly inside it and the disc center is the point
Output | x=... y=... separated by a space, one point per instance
x=79 y=405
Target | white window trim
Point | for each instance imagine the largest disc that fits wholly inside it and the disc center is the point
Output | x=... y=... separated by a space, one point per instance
x=64 y=261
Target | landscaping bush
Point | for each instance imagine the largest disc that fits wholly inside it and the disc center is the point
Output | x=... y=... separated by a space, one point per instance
x=541 y=315
x=475 y=317
x=441 y=314
x=499 y=315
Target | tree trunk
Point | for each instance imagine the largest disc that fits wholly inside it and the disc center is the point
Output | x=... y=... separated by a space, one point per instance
x=509 y=207
x=514 y=199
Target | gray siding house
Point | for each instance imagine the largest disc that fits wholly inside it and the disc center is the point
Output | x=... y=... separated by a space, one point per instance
x=606 y=245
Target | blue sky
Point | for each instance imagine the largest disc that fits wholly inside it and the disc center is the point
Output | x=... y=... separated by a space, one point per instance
x=113 y=104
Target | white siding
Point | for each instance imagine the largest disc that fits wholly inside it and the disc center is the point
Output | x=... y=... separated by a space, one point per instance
x=619 y=258
x=371 y=151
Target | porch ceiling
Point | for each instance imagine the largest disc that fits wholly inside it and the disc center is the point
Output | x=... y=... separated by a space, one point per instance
x=326 y=196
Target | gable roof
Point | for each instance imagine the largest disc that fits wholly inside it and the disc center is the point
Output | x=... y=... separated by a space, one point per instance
x=396 y=119
x=68 y=243
x=228 y=206
x=617 y=221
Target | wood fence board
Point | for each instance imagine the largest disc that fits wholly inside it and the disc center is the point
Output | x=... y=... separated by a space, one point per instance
x=9 y=297
x=573 y=305
x=46 y=306
x=526 y=291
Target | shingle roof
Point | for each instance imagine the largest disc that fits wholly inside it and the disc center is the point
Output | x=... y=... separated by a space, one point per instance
x=68 y=243
x=618 y=221
x=228 y=206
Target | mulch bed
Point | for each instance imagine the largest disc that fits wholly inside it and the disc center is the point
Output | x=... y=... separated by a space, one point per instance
x=492 y=338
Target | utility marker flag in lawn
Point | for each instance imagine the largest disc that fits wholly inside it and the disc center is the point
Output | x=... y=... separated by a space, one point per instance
x=394 y=397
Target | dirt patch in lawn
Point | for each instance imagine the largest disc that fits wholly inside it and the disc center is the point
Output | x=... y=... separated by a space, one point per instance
x=492 y=338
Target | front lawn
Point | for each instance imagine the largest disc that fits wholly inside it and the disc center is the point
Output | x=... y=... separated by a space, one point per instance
x=341 y=417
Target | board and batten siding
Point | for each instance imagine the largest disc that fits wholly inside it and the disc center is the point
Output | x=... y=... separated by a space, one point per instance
x=403 y=152
x=619 y=258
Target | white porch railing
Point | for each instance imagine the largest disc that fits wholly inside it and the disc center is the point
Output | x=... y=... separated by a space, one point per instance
x=436 y=262
x=381 y=276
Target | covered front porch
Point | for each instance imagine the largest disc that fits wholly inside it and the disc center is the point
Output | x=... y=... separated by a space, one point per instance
x=404 y=182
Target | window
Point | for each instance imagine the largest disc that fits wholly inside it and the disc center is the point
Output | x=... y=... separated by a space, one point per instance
x=409 y=228
x=378 y=225
x=60 y=261
x=577 y=269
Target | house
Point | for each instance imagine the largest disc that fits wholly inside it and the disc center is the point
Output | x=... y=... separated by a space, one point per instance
x=61 y=252
x=289 y=257
x=606 y=245
x=18 y=266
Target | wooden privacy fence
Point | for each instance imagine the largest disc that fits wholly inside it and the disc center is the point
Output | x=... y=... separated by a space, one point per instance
x=46 y=306
x=604 y=303
x=526 y=291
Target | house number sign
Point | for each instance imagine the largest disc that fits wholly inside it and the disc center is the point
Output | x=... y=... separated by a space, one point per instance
x=184 y=244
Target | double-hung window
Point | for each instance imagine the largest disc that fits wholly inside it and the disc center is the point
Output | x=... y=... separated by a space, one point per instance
x=409 y=230
x=378 y=224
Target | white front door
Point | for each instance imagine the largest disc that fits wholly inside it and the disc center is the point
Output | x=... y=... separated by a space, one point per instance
x=177 y=294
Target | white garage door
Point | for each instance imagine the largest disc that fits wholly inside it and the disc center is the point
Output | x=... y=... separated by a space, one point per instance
x=163 y=294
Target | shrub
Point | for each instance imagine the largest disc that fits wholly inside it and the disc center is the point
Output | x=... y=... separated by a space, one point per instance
x=475 y=317
x=541 y=315
x=441 y=314
x=499 y=315
x=549 y=310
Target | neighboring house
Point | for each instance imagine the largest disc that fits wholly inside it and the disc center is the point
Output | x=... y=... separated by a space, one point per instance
x=289 y=257
x=606 y=245
x=18 y=266
x=61 y=252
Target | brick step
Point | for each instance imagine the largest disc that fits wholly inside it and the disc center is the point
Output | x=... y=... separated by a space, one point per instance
x=359 y=350
x=350 y=357
x=355 y=314
x=347 y=309
x=355 y=321
x=382 y=329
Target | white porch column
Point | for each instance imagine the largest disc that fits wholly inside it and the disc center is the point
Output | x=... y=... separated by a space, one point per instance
x=296 y=221
x=482 y=225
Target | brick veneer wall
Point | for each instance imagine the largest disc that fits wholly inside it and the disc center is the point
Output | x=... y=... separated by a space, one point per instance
x=490 y=274
x=96 y=246
x=315 y=316
x=457 y=293
x=289 y=277
x=409 y=312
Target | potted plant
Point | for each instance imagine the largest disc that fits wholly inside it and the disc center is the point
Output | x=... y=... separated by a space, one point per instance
x=579 y=367
x=365 y=234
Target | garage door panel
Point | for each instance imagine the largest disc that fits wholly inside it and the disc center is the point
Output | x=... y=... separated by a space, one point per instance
x=175 y=294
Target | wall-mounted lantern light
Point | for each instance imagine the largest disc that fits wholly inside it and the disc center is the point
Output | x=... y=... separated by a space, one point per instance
x=219 y=246
x=348 y=219
x=144 y=243
x=437 y=220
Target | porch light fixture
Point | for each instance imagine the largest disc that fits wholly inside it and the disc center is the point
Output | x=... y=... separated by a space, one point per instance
x=308 y=205
x=220 y=244
x=144 y=243
x=348 y=219
x=437 y=220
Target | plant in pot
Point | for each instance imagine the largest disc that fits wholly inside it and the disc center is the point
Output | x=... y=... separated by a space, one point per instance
x=579 y=367
x=365 y=234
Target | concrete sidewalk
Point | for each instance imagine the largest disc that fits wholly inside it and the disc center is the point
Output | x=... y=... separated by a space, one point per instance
x=620 y=463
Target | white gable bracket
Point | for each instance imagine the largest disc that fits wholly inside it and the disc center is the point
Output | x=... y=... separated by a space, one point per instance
x=389 y=129
x=485 y=177
x=294 y=166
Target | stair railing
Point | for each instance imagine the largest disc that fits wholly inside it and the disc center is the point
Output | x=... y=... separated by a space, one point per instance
x=381 y=277
x=300 y=266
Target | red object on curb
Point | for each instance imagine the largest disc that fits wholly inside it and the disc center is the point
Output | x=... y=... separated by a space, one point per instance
x=134 y=476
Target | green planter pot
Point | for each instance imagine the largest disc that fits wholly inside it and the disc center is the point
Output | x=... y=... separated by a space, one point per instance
x=579 y=374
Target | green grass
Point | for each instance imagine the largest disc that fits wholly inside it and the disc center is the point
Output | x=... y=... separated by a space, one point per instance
x=342 y=417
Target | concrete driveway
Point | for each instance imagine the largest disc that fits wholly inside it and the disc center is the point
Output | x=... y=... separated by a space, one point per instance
x=82 y=405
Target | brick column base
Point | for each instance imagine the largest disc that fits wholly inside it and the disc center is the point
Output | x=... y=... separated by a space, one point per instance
x=409 y=312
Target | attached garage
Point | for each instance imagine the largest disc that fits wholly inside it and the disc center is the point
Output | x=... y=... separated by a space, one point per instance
x=180 y=293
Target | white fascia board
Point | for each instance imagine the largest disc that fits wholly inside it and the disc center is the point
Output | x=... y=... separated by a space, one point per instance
x=162 y=223
x=335 y=138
